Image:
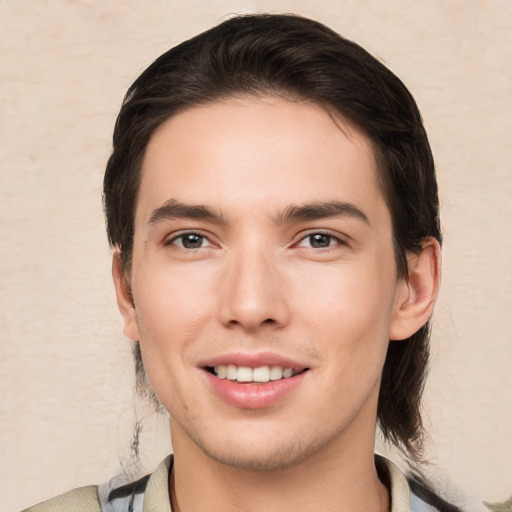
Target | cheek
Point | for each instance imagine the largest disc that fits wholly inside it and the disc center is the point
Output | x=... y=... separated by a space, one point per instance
x=351 y=296
x=173 y=299
x=347 y=316
x=170 y=313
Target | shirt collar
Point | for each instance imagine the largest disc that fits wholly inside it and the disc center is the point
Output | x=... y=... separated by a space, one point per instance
x=156 y=498
x=396 y=483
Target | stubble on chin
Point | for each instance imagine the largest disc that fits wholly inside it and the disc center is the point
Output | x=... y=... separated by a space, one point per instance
x=258 y=456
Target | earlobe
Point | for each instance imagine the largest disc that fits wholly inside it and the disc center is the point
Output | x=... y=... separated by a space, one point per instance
x=417 y=295
x=124 y=298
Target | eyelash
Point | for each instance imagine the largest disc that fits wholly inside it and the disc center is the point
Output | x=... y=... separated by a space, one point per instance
x=337 y=239
x=332 y=238
x=183 y=235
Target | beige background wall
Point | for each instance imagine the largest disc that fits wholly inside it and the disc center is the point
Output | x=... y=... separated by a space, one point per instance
x=66 y=407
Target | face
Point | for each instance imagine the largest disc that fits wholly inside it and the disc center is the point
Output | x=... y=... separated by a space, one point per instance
x=263 y=281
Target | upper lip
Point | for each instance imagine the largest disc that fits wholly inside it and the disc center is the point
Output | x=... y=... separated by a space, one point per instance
x=253 y=360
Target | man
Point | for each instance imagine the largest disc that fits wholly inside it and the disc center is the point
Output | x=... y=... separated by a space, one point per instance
x=272 y=205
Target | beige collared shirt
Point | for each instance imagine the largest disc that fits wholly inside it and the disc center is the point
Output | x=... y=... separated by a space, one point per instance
x=155 y=498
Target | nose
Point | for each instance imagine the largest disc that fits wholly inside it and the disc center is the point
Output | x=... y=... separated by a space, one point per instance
x=253 y=293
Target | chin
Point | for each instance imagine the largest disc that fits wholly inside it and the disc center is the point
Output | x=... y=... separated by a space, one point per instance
x=279 y=459
x=267 y=453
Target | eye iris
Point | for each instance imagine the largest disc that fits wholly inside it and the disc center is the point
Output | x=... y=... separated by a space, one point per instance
x=192 y=241
x=318 y=240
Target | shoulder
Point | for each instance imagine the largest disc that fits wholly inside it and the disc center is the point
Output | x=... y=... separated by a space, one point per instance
x=83 y=499
x=118 y=495
x=431 y=493
x=147 y=493
x=423 y=491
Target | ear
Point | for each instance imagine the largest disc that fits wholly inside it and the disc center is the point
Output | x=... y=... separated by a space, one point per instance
x=417 y=294
x=124 y=298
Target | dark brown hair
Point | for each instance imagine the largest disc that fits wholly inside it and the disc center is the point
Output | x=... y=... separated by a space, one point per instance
x=299 y=59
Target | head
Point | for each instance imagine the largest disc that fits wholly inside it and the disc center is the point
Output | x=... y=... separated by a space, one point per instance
x=298 y=60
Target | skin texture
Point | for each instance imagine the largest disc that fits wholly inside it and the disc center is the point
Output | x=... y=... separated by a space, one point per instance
x=256 y=283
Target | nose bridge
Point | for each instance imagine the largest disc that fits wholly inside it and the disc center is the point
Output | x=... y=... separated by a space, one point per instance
x=251 y=291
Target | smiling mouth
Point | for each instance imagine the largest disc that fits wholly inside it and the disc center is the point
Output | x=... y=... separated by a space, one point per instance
x=259 y=375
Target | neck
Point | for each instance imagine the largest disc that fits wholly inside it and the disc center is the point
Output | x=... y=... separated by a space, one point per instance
x=346 y=481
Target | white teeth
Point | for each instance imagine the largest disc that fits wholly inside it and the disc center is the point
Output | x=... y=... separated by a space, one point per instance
x=246 y=374
x=276 y=373
x=261 y=374
x=220 y=371
x=231 y=371
x=287 y=372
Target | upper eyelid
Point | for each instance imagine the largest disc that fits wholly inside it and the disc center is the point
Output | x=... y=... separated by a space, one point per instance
x=345 y=239
x=178 y=234
x=341 y=237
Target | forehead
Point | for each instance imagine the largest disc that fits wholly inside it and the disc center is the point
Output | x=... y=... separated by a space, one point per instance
x=257 y=153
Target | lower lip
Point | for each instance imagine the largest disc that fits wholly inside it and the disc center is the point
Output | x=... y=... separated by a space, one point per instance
x=253 y=396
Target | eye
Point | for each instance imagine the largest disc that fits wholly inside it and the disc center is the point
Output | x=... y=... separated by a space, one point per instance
x=319 y=241
x=190 y=241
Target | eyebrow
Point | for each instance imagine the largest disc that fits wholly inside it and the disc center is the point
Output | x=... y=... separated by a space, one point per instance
x=321 y=210
x=173 y=209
